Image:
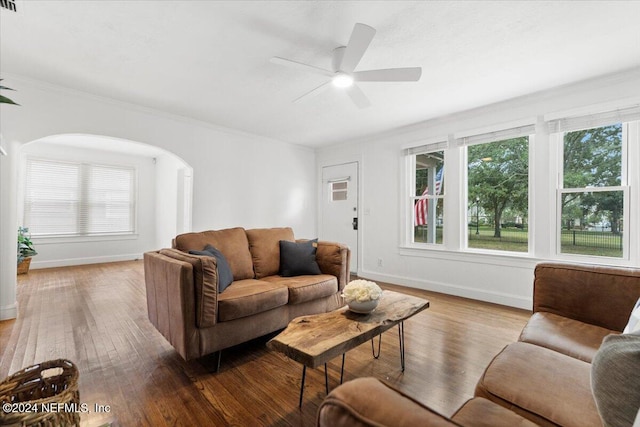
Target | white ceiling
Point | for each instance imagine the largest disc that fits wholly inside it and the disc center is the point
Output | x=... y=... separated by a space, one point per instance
x=209 y=60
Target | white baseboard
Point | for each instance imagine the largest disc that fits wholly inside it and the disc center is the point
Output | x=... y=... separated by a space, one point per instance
x=9 y=311
x=449 y=289
x=83 y=261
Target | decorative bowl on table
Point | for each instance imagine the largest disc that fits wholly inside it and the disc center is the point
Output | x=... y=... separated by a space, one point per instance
x=362 y=296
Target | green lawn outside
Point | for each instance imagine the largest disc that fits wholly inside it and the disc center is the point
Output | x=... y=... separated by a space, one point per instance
x=516 y=240
x=511 y=240
x=596 y=243
x=592 y=243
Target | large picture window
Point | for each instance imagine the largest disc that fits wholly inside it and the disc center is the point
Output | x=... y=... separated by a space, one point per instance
x=569 y=191
x=592 y=195
x=498 y=195
x=78 y=199
x=427 y=198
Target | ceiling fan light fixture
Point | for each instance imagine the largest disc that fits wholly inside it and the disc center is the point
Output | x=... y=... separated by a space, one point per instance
x=342 y=80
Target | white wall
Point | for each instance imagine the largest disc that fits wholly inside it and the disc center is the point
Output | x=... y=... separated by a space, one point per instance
x=501 y=279
x=55 y=252
x=8 y=233
x=166 y=191
x=239 y=179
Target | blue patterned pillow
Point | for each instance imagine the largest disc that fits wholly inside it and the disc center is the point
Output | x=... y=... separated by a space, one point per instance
x=225 y=276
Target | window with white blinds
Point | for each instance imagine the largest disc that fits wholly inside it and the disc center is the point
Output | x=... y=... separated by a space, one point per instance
x=78 y=199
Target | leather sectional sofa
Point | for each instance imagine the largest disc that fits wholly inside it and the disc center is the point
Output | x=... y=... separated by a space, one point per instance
x=546 y=378
x=185 y=304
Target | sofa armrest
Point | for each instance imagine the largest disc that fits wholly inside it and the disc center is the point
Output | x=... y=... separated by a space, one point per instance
x=334 y=258
x=171 y=301
x=369 y=402
x=601 y=296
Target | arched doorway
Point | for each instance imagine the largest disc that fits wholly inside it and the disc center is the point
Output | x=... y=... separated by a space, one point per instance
x=163 y=188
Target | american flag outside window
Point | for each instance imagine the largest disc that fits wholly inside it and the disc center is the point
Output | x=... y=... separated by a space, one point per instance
x=422 y=205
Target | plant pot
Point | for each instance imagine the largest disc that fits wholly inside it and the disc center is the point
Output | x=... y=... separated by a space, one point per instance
x=23 y=267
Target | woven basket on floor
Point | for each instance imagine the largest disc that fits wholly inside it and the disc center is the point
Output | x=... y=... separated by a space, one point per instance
x=52 y=386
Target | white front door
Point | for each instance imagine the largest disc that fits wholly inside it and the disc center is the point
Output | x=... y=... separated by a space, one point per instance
x=340 y=207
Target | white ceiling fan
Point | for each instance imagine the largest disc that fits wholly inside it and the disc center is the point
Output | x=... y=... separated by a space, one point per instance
x=345 y=60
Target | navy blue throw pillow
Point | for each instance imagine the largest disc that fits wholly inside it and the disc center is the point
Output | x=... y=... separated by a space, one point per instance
x=297 y=259
x=225 y=276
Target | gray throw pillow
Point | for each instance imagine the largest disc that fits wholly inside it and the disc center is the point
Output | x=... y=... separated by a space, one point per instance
x=225 y=276
x=297 y=259
x=615 y=379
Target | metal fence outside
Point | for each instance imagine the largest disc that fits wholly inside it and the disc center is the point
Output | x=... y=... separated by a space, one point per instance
x=592 y=239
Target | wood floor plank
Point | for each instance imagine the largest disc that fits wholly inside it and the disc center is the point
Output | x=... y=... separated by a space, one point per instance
x=96 y=316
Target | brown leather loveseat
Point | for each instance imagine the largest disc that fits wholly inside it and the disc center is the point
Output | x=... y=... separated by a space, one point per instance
x=561 y=372
x=185 y=304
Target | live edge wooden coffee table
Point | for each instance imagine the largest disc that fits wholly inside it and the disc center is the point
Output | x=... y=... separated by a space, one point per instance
x=316 y=339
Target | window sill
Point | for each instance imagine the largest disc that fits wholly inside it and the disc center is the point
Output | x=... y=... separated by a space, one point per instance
x=504 y=258
x=471 y=256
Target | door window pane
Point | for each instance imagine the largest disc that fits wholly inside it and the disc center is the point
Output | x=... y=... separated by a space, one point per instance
x=339 y=191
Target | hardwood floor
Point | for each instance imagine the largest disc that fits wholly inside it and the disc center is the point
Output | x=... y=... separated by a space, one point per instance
x=96 y=316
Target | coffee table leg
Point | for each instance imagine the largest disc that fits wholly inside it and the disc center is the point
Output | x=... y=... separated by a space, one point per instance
x=326 y=380
x=304 y=374
x=401 y=339
x=342 y=369
x=375 y=356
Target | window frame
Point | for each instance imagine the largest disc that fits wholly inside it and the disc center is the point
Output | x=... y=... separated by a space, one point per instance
x=503 y=135
x=558 y=140
x=411 y=198
x=84 y=203
x=545 y=142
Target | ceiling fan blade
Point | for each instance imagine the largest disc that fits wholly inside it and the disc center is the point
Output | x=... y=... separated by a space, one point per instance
x=361 y=37
x=300 y=66
x=389 y=75
x=358 y=97
x=313 y=92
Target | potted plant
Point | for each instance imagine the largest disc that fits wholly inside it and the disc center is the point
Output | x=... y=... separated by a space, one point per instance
x=25 y=250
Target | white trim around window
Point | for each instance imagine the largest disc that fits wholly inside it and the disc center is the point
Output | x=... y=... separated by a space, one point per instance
x=64 y=199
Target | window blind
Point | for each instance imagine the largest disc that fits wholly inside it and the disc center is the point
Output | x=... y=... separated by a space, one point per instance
x=497 y=135
x=568 y=124
x=77 y=199
x=427 y=148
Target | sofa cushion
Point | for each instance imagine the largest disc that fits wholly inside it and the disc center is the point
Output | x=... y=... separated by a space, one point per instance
x=479 y=412
x=232 y=242
x=298 y=258
x=615 y=379
x=576 y=291
x=571 y=337
x=247 y=297
x=542 y=385
x=264 y=245
x=306 y=288
x=205 y=282
x=225 y=276
x=371 y=403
